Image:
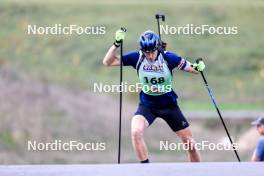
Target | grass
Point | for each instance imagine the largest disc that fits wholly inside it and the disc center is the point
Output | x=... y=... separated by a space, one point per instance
x=234 y=62
x=7 y=139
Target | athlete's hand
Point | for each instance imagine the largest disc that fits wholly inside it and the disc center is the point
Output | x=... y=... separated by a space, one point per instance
x=199 y=65
x=119 y=36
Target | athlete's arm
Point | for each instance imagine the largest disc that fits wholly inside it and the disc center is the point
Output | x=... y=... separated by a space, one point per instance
x=187 y=66
x=192 y=68
x=112 y=58
x=175 y=61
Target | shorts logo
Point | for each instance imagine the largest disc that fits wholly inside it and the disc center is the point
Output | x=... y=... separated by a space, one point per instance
x=184 y=123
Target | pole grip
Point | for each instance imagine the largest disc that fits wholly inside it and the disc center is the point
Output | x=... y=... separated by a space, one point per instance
x=198 y=60
x=160 y=16
x=123 y=29
x=163 y=17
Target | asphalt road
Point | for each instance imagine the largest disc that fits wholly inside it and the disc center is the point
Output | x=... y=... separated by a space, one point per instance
x=156 y=169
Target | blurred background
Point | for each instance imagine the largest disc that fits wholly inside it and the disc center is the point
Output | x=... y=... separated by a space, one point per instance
x=46 y=81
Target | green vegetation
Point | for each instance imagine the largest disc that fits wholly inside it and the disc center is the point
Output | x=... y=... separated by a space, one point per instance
x=7 y=139
x=234 y=62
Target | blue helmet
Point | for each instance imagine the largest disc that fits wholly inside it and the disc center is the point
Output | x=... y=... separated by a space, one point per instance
x=149 y=41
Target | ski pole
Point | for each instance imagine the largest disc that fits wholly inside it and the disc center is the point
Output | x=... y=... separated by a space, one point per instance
x=218 y=111
x=120 y=99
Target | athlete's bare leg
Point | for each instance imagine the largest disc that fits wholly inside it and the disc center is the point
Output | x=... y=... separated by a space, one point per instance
x=186 y=137
x=138 y=124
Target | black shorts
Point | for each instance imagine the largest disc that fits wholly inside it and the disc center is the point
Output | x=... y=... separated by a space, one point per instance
x=172 y=115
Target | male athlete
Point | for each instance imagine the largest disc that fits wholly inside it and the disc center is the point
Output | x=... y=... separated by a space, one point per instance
x=157 y=99
x=258 y=154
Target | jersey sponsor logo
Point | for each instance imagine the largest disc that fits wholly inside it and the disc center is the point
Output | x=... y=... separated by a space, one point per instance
x=153 y=67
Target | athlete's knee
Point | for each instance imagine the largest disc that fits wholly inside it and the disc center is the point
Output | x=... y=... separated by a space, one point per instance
x=189 y=142
x=137 y=134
